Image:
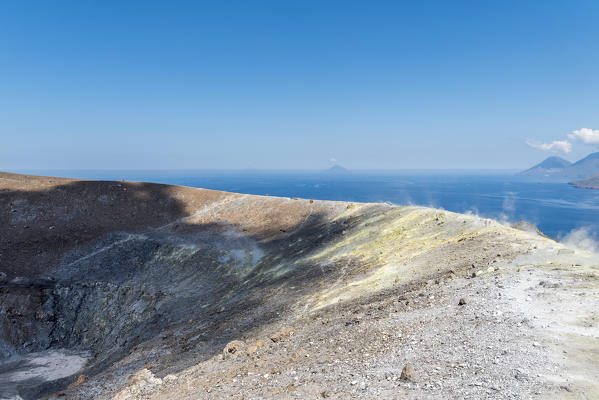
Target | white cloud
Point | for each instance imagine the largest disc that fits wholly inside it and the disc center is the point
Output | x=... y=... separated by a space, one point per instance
x=586 y=135
x=333 y=160
x=562 y=146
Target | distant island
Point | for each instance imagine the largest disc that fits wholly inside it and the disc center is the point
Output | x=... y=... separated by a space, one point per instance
x=560 y=167
x=337 y=170
x=549 y=166
x=589 y=183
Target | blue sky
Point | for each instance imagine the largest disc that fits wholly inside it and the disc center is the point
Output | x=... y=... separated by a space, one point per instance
x=257 y=84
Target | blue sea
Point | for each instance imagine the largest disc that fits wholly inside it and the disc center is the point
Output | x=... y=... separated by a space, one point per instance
x=555 y=207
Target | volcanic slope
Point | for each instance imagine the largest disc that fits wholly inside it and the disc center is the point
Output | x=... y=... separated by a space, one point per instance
x=171 y=292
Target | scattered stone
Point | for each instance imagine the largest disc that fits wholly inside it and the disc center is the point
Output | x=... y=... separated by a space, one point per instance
x=519 y=376
x=145 y=376
x=2 y=276
x=549 y=285
x=325 y=394
x=462 y=301
x=142 y=383
x=408 y=374
x=282 y=334
x=255 y=347
x=299 y=352
x=233 y=348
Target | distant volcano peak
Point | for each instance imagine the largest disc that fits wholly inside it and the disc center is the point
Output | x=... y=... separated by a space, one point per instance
x=337 y=169
x=558 y=167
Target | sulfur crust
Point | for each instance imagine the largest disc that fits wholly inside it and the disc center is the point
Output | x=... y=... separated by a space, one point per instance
x=390 y=244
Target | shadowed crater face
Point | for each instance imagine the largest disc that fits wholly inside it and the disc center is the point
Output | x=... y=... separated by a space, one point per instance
x=106 y=266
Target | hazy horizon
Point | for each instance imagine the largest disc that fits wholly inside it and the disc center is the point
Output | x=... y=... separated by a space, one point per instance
x=366 y=170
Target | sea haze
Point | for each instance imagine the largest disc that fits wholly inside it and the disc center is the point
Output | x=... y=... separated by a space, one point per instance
x=554 y=206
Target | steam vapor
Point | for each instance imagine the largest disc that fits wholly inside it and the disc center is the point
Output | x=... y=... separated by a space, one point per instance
x=583 y=239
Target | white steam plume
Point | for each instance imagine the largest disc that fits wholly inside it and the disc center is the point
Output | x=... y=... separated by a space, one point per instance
x=582 y=238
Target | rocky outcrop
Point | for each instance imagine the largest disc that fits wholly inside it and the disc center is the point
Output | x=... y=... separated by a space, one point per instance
x=27 y=317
